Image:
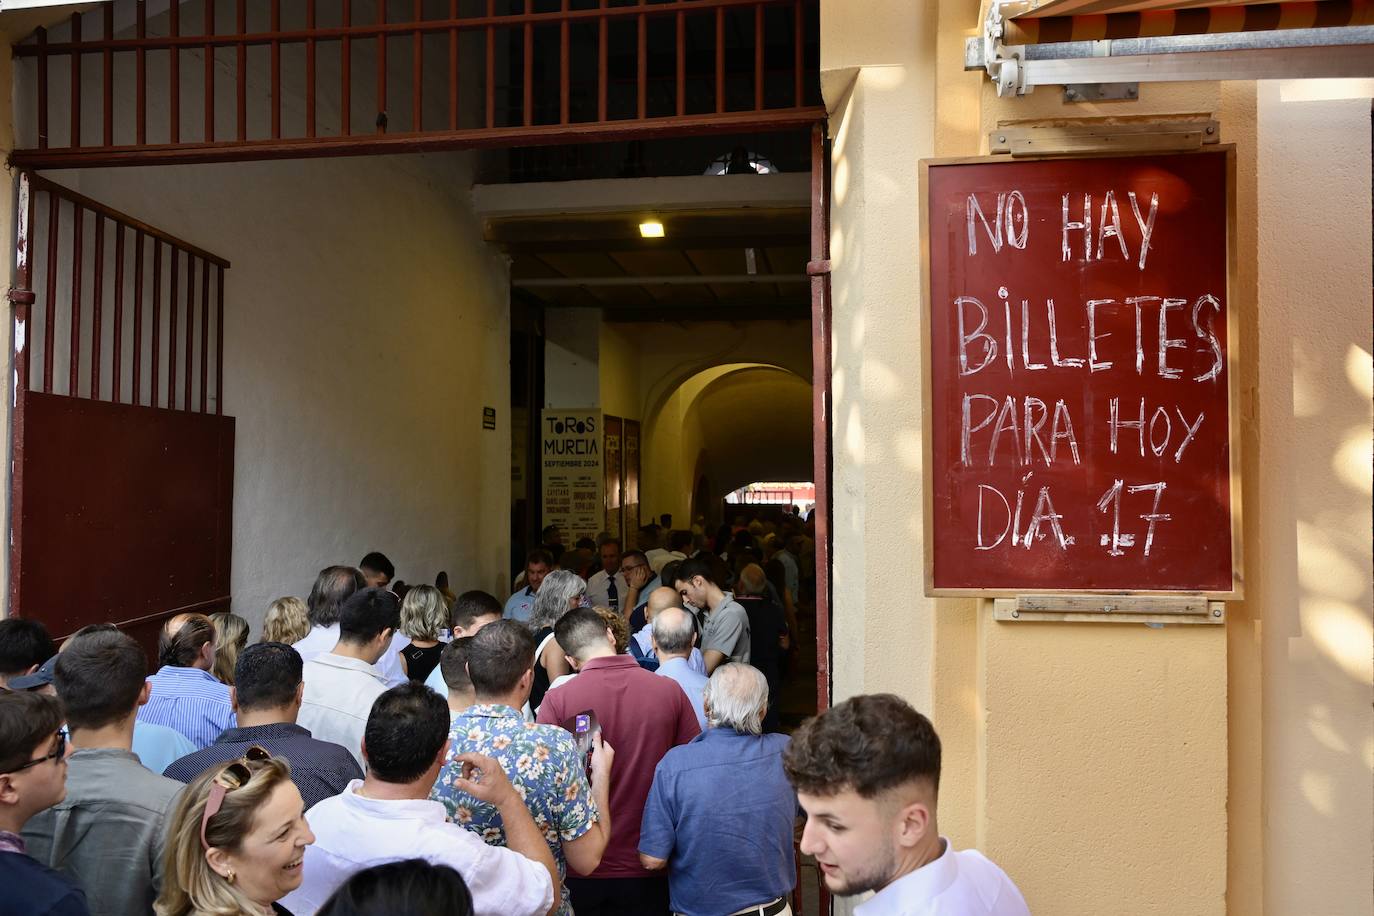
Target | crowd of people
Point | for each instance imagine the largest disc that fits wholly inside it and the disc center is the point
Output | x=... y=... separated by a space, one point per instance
x=604 y=742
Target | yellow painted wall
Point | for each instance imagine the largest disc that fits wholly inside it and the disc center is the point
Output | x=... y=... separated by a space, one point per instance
x=1119 y=768
x=619 y=369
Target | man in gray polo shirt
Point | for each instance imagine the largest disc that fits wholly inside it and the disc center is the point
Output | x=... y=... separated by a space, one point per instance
x=108 y=833
x=724 y=624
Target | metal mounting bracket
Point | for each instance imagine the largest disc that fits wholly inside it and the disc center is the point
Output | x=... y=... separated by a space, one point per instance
x=1005 y=65
x=1101 y=92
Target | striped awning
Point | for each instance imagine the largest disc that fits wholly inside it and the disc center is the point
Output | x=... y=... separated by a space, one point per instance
x=1092 y=20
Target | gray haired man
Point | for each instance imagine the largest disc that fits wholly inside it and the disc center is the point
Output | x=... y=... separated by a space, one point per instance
x=720 y=813
x=674 y=635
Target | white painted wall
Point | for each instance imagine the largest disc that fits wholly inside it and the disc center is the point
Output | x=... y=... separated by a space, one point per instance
x=366 y=327
x=572 y=358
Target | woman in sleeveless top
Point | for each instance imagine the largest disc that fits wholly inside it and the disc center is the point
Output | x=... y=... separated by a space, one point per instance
x=424 y=612
x=560 y=592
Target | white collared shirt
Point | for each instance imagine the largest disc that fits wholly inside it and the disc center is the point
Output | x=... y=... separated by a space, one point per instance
x=599 y=589
x=339 y=693
x=962 y=883
x=353 y=833
x=323 y=639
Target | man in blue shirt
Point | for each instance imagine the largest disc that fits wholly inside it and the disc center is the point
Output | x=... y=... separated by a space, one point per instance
x=674 y=634
x=521 y=604
x=186 y=696
x=721 y=813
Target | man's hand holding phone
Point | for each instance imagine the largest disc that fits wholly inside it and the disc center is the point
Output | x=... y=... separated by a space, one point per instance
x=602 y=757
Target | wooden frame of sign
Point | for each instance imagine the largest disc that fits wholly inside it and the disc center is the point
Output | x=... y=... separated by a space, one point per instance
x=1086 y=602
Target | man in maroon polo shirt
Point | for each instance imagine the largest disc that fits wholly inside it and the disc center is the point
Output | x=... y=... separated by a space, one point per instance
x=642 y=716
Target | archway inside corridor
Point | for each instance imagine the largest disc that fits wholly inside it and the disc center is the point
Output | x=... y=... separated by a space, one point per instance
x=721 y=428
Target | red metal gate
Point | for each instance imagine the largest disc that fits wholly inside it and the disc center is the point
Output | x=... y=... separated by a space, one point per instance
x=122 y=471
x=272 y=80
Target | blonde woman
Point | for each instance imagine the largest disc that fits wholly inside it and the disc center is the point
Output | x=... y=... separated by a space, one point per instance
x=231 y=635
x=423 y=614
x=286 y=621
x=236 y=840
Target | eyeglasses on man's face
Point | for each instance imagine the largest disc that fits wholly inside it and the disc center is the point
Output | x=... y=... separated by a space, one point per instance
x=58 y=752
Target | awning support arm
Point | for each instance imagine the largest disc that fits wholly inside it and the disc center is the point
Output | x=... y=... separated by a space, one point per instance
x=1342 y=52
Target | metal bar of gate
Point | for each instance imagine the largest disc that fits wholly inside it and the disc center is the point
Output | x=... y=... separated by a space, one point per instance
x=49 y=325
x=190 y=329
x=107 y=81
x=117 y=351
x=172 y=309
x=219 y=340
x=155 y=351
x=174 y=72
x=97 y=287
x=137 y=393
x=76 y=83
x=527 y=103
x=141 y=63
x=74 y=331
x=204 y=334
x=240 y=73
x=209 y=53
x=310 y=125
x=452 y=68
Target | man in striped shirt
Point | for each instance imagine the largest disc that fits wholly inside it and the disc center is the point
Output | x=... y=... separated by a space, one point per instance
x=186 y=697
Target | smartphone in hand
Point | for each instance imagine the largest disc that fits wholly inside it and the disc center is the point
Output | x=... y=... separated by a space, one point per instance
x=583 y=726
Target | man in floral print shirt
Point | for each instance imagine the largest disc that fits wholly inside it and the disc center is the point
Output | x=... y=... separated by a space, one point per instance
x=541 y=760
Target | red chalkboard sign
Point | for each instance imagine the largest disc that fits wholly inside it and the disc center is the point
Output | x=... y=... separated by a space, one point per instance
x=1078 y=376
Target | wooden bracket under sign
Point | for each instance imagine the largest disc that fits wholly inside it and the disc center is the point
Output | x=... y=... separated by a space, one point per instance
x=1066 y=138
x=1109 y=609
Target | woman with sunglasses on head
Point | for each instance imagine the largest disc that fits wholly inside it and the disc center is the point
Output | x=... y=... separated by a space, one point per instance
x=236 y=840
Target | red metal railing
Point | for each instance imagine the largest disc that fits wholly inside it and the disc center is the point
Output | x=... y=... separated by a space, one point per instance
x=778 y=33
x=98 y=258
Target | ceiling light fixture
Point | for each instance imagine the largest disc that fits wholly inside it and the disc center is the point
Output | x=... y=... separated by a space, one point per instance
x=651 y=229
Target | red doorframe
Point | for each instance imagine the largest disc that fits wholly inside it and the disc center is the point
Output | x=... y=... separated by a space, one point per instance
x=819 y=271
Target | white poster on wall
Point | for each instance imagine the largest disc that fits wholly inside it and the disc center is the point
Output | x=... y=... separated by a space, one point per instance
x=570 y=444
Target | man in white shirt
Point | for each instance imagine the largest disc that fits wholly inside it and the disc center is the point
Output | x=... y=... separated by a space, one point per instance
x=607 y=587
x=388 y=816
x=868 y=774
x=332 y=588
x=341 y=685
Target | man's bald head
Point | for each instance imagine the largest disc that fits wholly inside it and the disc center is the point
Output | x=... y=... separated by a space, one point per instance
x=183 y=641
x=674 y=633
x=661 y=598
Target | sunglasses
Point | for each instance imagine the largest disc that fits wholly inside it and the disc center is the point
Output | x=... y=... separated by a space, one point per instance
x=234 y=776
x=57 y=752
